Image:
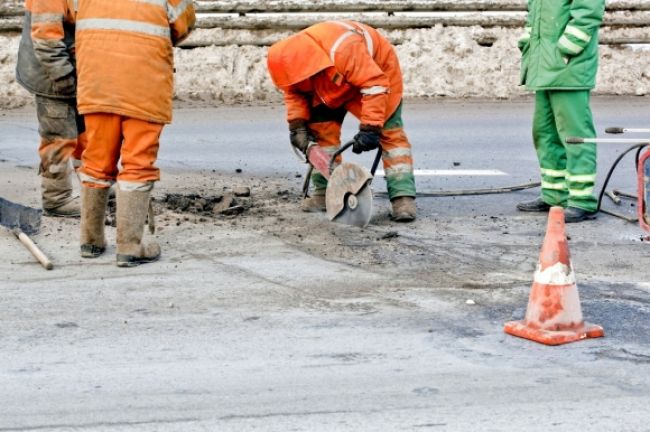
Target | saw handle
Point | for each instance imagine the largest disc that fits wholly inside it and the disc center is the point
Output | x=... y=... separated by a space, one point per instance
x=338 y=153
x=346 y=146
x=35 y=250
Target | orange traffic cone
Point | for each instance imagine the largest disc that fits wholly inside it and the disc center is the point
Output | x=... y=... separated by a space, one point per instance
x=554 y=316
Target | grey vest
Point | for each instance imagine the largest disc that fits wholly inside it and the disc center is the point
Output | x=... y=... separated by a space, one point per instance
x=30 y=73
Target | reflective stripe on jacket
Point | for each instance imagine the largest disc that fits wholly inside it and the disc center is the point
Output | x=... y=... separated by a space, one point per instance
x=338 y=63
x=125 y=55
x=560 y=44
x=46 y=50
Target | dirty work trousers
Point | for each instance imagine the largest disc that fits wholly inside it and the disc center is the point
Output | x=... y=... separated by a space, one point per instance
x=61 y=129
x=568 y=170
x=133 y=143
x=326 y=123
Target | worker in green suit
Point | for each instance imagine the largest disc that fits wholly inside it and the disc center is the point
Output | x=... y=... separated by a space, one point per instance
x=559 y=62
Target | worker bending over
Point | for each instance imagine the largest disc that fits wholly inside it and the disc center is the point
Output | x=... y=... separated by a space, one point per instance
x=46 y=68
x=560 y=60
x=334 y=67
x=125 y=69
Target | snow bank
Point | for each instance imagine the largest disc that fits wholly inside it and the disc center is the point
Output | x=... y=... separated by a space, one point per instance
x=437 y=62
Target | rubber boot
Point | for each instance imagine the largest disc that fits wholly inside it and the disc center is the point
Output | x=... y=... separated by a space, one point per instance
x=93 y=213
x=536 y=205
x=132 y=209
x=315 y=202
x=56 y=192
x=403 y=209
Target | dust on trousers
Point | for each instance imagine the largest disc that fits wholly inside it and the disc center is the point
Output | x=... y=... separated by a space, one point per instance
x=61 y=129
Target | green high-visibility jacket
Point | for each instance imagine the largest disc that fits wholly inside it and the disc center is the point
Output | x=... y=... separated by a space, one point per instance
x=560 y=44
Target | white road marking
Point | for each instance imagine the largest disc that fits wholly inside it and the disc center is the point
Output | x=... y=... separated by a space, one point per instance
x=450 y=173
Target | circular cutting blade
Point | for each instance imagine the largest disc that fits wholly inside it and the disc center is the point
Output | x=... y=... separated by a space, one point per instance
x=357 y=208
x=346 y=179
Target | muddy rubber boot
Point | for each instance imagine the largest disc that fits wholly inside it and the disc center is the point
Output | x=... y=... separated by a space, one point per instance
x=132 y=209
x=403 y=209
x=315 y=202
x=93 y=214
x=56 y=192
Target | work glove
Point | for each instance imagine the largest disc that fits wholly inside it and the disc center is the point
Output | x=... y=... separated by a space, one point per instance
x=367 y=139
x=300 y=135
x=66 y=86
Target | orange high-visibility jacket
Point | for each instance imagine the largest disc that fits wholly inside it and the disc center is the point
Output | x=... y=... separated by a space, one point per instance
x=338 y=63
x=46 y=51
x=125 y=56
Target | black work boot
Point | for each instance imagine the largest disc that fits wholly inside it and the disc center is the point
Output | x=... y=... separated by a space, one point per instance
x=537 y=205
x=575 y=214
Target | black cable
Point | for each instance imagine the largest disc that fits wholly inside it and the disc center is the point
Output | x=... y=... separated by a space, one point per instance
x=468 y=192
x=616 y=162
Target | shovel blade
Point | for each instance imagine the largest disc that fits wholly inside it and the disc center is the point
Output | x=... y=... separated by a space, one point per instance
x=14 y=215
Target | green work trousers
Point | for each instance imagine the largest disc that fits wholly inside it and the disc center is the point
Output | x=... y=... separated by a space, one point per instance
x=568 y=170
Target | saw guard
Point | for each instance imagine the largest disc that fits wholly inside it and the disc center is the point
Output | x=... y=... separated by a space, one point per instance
x=346 y=179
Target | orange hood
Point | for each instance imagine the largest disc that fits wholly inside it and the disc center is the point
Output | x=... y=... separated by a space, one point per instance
x=295 y=59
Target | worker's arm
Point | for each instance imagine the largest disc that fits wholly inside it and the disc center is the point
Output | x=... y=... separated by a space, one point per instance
x=525 y=38
x=297 y=104
x=586 y=18
x=182 y=19
x=298 y=114
x=359 y=69
x=49 y=46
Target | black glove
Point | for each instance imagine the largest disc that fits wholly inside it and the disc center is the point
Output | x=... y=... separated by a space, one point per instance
x=367 y=139
x=300 y=135
x=66 y=86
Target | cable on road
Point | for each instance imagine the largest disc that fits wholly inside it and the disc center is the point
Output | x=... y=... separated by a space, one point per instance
x=468 y=192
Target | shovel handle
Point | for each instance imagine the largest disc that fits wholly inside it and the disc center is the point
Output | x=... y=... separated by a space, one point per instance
x=29 y=244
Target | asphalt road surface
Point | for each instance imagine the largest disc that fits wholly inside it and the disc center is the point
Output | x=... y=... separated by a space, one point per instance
x=280 y=321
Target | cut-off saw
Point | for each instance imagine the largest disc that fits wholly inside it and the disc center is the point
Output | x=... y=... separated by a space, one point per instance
x=348 y=197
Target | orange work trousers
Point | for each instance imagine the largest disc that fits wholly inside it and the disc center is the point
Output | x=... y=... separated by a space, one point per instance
x=113 y=139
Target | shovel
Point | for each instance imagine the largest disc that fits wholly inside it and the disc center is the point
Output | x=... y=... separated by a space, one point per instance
x=21 y=221
x=348 y=198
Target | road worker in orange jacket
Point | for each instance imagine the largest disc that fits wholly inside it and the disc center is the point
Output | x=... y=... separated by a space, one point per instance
x=334 y=67
x=125 y=69
x=46 y=68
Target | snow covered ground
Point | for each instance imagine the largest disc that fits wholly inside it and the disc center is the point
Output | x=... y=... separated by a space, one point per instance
x=437 y=62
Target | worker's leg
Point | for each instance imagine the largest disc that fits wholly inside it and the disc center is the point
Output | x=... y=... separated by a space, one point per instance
x=135 y=182
x=550 y=152
x=398 y=168
x=573 y=118
x=325 y=123
x=58 y=130
x=97 y=173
